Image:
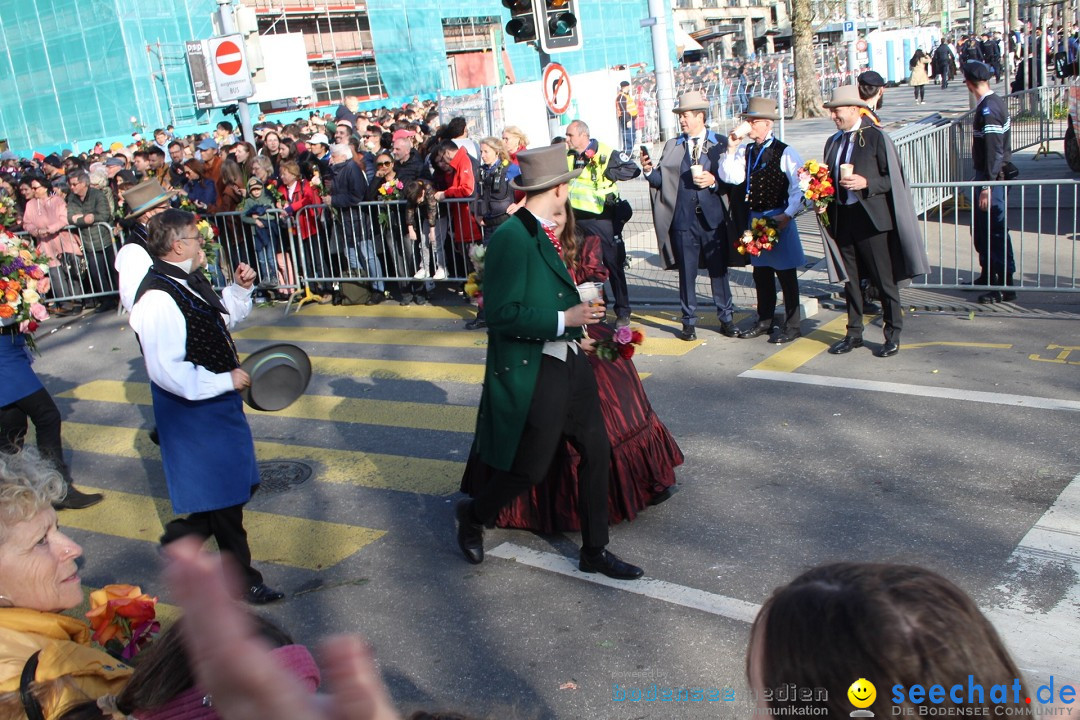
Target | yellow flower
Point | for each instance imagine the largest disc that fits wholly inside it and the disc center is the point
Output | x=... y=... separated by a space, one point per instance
x=812 y=167
x=30 y=296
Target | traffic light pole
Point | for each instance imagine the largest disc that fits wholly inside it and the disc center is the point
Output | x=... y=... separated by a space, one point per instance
x=228 y=26
x=665 y=77
x=554 y=125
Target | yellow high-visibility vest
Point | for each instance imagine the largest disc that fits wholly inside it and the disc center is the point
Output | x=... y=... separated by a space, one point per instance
x=590 y=189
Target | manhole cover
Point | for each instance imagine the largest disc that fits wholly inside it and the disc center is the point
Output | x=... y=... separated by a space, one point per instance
x=277 y=476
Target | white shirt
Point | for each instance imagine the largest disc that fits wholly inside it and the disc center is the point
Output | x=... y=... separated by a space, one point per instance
x=131 y=265
x=733 y=170
x=163 y=336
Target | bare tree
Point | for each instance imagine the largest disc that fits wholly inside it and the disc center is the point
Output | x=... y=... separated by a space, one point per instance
x=808 y=101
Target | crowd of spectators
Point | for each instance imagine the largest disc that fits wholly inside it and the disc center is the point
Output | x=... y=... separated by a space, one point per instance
x=314 y=181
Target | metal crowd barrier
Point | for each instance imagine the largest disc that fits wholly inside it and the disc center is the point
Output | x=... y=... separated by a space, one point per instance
x=88 y=274
x=1040 y=217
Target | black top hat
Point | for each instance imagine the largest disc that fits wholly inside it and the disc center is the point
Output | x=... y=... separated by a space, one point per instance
x=279 y=375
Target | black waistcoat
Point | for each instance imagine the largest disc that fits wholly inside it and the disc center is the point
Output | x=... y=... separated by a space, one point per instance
x=209 y=343
x=769 y=183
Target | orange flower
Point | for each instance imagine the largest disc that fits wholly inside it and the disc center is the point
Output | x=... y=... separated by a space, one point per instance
x=115 y=608
x=6 y=311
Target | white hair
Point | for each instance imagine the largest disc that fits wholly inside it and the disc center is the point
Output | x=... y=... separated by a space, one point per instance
x=340 y=150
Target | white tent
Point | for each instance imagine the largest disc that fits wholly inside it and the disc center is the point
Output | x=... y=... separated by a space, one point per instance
x=683 y=42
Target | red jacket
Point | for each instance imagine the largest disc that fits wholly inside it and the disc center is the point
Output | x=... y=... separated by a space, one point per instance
x=461 y=183
x=307 y=221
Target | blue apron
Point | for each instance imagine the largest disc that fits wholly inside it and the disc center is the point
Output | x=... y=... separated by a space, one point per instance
x=19 y=379
x=207 y=451
x=788 y=251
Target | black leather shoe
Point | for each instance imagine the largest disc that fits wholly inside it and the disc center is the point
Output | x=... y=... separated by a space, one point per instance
x=607 y=564
x=688 y=333
x=476 y=324
x=261 y=594
x=154 y=436
x=662 y=496
x=728 y=329
x=622 y=321
x=376 y=298
x=997 y=296
x=786 y=336
x=846 y=345
x=470 y=534
x=757 y=329
x=889 y=349
x=77 y=499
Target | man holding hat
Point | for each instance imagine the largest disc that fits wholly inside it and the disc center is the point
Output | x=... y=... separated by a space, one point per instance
x=766 y=175
x=195 y=380
x=991 y=152
x=872 y=218
x=688 y=212
x=538 y=387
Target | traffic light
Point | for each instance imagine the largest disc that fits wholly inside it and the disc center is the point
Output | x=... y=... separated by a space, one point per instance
x=522 y=25
x=558 y=22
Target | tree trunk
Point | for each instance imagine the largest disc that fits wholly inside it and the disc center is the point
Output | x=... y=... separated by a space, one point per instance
x=977 y=21
x=807 y=89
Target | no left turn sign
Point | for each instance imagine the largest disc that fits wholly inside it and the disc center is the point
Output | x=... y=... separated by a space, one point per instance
x=556 y=88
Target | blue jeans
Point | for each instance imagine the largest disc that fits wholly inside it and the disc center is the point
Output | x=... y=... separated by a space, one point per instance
x=628 y=137
x=264 y=252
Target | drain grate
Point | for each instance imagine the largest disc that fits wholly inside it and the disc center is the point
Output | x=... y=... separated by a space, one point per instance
x=278 y=476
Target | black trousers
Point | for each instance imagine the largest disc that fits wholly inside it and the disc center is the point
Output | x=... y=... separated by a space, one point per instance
x=873 y=254
x=39 y=408
x=226 y=526
x=565 y=404
x=614 y=259
x=765 y=284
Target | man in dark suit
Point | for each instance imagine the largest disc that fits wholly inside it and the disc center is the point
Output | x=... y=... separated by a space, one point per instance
x=538 y=386
x=688 y=212
x=862 y=220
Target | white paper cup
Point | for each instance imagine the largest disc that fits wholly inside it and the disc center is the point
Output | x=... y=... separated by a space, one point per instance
x=696 y=170
x=846 y=170
x=590 y=291
x=741 y=130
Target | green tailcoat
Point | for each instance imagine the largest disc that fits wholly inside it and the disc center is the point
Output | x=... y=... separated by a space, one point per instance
x=526 y=284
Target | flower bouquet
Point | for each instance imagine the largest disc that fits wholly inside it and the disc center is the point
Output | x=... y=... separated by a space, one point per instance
x=389 y=192
x=23 y=280
x=123 y=619
x=817 y=187
x=474 y=286
x=761 y=237
x=211 y=247
x=7 y=211
x=274 y=193
x=620 y=344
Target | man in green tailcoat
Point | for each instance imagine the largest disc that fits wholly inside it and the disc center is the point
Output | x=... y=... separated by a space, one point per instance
x=538 y=386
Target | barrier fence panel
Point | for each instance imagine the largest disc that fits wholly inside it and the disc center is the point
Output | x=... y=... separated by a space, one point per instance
x=1042 y=228
x=80 y=262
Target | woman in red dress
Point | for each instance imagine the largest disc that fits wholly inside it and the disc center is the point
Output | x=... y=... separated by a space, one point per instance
x=644 y=455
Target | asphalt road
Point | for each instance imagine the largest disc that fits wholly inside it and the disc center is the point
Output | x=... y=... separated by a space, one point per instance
x=947 y=455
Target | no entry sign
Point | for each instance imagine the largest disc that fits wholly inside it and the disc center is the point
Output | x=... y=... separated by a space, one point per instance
x=229 y=72
x=228 y=57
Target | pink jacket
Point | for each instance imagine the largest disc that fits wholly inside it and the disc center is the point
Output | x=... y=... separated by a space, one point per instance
x=45 y=220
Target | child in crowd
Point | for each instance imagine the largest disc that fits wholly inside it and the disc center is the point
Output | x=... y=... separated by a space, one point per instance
x=254 y=211
x=421 y=193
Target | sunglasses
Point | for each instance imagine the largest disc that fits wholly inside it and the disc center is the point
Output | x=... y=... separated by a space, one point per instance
x=385 y=163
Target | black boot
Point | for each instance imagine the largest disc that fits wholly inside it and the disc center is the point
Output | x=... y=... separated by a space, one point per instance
x=76 y=499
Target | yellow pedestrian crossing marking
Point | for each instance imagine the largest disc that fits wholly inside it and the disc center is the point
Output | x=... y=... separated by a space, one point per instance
x=279 y=539
x=422 y=416
x=806 y=348
x=345 y=467
x=391 y=310
x=653 y=345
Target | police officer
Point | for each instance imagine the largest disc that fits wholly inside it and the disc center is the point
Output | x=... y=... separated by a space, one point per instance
x=595 y=197
x=991 y=152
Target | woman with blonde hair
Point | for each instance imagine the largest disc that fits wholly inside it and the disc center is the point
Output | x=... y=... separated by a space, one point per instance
x=515 y=140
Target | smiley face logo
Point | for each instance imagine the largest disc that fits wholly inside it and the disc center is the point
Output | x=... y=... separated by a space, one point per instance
x=862 y=693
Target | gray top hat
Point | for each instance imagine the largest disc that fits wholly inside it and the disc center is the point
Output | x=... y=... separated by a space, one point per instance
x=693 y=100
x=846 y=96
x=146 y=196
x=761 y=108
x=279 y=375
x=543 y=168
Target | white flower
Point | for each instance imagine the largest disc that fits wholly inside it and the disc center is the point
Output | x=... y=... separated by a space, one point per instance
x=30 y=295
